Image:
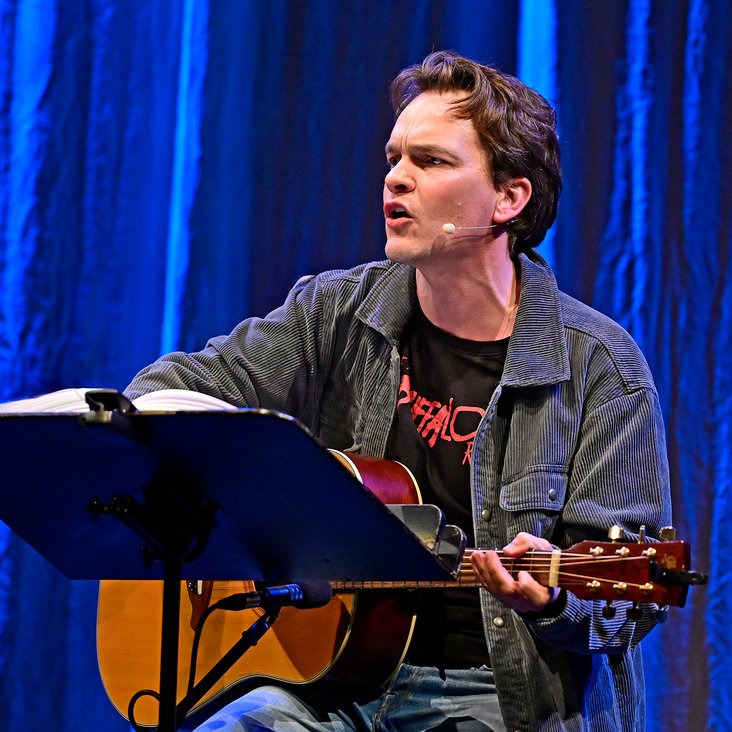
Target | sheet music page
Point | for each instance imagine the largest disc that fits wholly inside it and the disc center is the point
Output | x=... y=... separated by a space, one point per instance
x=72 y=401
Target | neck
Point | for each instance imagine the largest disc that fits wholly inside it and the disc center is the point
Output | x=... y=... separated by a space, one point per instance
x=475 y=303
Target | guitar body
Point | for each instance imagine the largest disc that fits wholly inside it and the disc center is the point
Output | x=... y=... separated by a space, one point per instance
x=331 y=643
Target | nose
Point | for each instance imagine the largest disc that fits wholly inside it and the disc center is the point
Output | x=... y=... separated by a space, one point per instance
x=399 y=179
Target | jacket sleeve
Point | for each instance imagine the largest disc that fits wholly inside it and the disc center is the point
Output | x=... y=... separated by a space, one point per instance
x=265 y=362
x=619 y=476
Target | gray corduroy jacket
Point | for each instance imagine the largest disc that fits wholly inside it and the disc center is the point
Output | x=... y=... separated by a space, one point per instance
x=572 y=442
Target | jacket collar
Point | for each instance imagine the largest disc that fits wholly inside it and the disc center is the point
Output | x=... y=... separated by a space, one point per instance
x=390 y=302
x=537 y=352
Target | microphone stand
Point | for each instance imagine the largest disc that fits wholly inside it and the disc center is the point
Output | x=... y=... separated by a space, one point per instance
x=249 y=638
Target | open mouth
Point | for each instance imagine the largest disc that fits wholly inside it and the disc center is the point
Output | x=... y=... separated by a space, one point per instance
x=394 y=213
x=397 y=216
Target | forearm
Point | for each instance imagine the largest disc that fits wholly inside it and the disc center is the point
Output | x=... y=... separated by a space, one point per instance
x=203 y=372
x=263 y=362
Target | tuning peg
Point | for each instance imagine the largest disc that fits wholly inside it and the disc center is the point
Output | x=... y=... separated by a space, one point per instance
x=615 y=533
x=668 y=533
x=642 y=534
x=608 y=611
x=635 y=613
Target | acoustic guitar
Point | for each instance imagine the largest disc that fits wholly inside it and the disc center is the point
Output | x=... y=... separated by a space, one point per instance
x=359 y=638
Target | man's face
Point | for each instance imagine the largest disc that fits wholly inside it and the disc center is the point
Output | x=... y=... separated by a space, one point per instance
x=438 y=174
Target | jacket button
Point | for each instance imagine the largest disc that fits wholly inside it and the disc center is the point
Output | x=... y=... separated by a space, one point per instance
x=552 y=494
x=486 y=514
x=498 y=621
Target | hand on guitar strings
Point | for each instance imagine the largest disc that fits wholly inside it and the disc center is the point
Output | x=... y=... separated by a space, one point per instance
x=521 y=593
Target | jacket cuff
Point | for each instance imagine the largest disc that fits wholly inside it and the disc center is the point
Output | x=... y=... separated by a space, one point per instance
x=551 y=611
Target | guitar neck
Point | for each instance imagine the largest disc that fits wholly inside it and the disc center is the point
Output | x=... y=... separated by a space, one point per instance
x=539 y=564
x=640 y=572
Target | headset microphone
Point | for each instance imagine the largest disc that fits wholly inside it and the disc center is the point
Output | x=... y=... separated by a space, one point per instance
x=451 y=228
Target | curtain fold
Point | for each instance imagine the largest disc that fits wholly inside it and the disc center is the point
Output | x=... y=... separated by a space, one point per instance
x=186 y=162
x=167 y=168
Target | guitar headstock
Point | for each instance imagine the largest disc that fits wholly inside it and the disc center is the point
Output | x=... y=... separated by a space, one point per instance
x=640 y=572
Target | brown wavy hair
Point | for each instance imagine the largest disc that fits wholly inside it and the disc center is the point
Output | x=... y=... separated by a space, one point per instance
x=515 y=124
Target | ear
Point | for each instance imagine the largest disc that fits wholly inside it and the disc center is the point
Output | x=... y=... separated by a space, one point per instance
x=513 y=197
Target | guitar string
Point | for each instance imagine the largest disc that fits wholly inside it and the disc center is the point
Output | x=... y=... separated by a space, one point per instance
x=467 y=576
x=565 y=580
x=511 y=563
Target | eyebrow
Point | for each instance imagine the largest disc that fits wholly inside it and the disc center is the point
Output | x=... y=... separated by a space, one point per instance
x=426 y=148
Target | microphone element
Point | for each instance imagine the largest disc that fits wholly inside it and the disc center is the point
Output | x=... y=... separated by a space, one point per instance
x=301 y=595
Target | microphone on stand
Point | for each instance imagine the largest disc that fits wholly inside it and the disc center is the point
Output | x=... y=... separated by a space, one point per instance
x=452 y=229
x=302 y=595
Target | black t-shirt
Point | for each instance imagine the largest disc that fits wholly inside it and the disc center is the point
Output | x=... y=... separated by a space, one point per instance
x=446 y=384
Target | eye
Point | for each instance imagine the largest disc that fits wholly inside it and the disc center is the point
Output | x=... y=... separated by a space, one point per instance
x=392 y=161
x=432 y=161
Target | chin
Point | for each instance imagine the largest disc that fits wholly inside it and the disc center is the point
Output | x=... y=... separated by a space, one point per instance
x=400 y=251
x=414 y=253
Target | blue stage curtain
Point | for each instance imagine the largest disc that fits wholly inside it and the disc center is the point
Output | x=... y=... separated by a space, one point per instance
x=169 y=167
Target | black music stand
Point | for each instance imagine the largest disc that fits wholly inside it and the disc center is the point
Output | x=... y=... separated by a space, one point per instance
x=242 y=494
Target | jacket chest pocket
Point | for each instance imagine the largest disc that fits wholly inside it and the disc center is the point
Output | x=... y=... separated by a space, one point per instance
x=533 y=501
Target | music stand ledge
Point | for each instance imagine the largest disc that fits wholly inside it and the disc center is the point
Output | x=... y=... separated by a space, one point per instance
x=244 y=494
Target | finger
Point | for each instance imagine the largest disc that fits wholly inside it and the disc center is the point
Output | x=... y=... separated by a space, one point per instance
x=532 y=592
x=491 y=572
x=524 y=542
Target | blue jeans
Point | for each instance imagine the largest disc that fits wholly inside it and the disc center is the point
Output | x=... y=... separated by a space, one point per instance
x=417 y=699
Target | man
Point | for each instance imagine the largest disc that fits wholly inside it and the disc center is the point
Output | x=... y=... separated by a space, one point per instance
x=531 y=419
